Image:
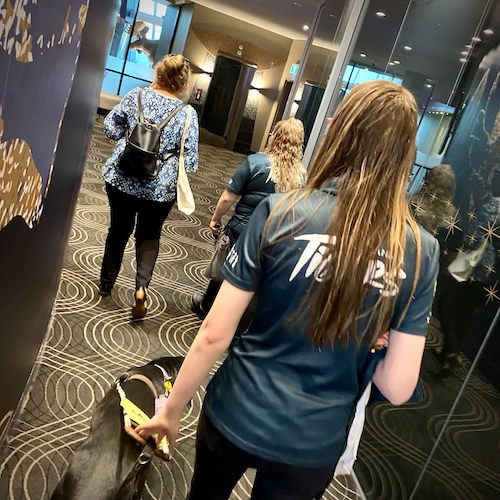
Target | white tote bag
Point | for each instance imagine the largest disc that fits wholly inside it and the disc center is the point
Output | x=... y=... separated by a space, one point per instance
x=461 y=268
x=185 y=198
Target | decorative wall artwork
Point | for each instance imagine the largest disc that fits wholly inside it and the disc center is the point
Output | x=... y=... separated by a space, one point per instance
x=475 y=149
x=39 y=49
x=474 y=154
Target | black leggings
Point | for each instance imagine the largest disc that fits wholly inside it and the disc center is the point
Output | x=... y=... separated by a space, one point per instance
x=150 y=218
x=219 y=465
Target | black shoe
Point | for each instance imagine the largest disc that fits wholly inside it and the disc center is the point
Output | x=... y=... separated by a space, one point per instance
x=105 y=289
x=197 y=305
x=139 y=308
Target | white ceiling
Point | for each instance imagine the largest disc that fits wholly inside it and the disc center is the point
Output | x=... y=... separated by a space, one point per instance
x=284 y=17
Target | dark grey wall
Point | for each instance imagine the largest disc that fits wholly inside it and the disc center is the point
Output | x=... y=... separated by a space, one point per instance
x=31 y=259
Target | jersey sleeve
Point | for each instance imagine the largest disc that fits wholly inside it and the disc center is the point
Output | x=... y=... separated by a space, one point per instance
x=416 y=319
x=243 y=265
x=240 y=178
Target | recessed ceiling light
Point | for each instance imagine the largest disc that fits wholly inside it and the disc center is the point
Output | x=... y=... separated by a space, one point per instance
x=397 y=62
x=428 y=85
x=475 y=39
x=362 y=54
x=465 y=53
x=391 y=64
x=489 y=31
x=463 y=60
x=407 y=47
x=305 y=27
x=468 y=46
x=380 y=13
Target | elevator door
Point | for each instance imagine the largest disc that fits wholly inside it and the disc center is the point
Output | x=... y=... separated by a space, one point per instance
x=309 y=106
x=220 y=95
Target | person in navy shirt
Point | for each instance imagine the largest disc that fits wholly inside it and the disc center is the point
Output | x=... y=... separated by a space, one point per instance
x=334 y=266
x=278 y=169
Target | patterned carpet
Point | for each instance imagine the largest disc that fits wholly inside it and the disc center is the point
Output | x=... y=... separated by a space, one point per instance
x=397 y=441
x=92 y=340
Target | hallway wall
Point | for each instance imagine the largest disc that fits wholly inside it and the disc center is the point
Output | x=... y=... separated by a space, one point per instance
x=49 y=89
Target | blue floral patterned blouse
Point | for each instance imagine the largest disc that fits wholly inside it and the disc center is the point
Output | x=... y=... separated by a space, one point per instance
x=156 y=107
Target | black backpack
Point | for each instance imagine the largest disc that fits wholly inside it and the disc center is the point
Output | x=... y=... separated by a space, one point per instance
x=142 y=149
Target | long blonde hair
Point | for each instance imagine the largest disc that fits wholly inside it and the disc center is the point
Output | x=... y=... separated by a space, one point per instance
x=285 y=155
x=369 y=150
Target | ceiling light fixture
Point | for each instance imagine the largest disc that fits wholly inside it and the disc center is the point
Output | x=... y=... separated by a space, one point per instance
x=428 y=85
x=380 y=13
x=465 y=53
x=407 y=47
x=463 y=60
x=468 y=46
x=475 y=39
x=305 y=27
x=362 y=54
x=489 y=31
x=391 y=64
x=297 y=4
x=397 y=62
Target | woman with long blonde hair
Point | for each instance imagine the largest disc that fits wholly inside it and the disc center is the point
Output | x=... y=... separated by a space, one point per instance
x=278 y=169
x=335 y=265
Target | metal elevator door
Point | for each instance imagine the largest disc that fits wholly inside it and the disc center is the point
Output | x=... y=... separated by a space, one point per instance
x=226 y=98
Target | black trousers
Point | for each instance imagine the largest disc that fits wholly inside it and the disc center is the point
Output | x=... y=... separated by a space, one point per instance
x=126 y=210
x=219 y=465
x=462 y=311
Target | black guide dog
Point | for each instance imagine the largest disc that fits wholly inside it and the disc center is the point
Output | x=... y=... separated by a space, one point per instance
x=101 y=466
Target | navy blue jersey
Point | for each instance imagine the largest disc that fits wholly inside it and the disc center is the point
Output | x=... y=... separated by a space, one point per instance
x=253 y=183
x=277 y=395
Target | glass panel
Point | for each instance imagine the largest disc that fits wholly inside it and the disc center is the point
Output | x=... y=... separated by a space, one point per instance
x=147 y=32
x=143 y=37
x=110 y=82
x=468 y=453
x=129 y=83
x=147 y=7
x=121 y=36
x=472 y=439
x=318 y=66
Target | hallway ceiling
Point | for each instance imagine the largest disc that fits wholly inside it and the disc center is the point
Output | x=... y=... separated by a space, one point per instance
x=284 y=17
x=436 y=33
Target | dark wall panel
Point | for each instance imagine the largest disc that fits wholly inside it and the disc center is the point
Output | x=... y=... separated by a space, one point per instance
x=31 y=258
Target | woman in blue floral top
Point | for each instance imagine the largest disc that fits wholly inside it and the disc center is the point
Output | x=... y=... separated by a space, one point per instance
x=146 y=201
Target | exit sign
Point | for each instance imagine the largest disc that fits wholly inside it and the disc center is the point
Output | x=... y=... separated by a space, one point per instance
x=294 y=69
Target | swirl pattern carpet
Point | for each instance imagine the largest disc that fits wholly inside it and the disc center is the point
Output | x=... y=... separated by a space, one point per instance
x=91 y=340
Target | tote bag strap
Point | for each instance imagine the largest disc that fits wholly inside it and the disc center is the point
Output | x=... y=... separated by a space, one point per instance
x=185 y=198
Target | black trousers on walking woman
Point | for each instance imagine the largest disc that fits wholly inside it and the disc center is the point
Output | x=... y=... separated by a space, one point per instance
x=219 y=465
x=148 y=217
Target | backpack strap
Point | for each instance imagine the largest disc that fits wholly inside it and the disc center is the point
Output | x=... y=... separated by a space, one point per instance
x=139 y=104
x=171 y=115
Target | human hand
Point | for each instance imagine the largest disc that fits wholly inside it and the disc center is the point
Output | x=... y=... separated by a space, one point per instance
x=162 y=426
x=215 y=226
